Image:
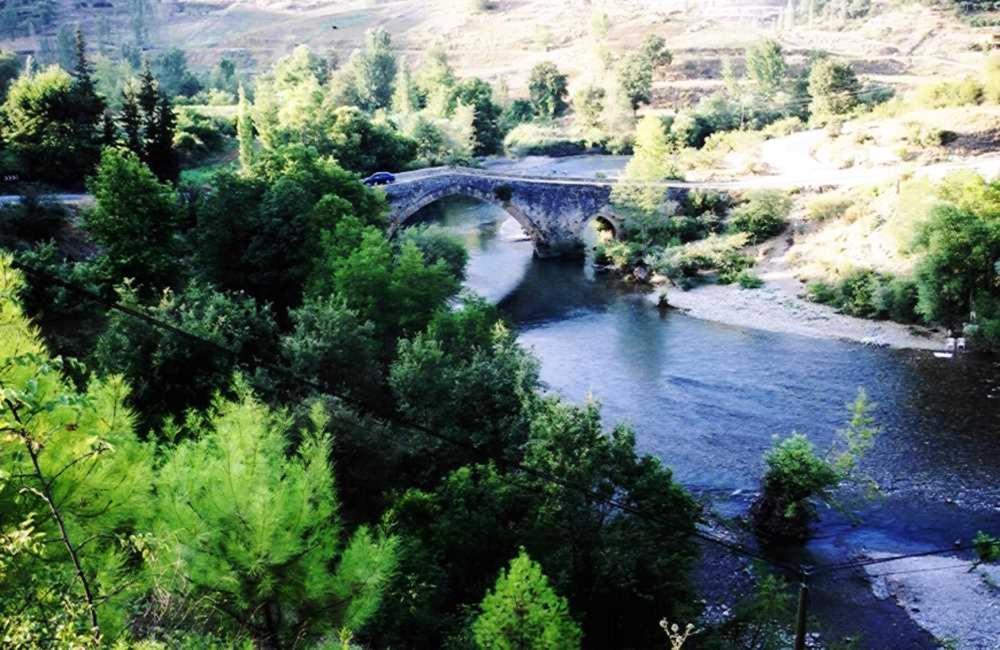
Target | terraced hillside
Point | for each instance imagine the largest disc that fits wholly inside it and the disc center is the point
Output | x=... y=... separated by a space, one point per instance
x=900 y=44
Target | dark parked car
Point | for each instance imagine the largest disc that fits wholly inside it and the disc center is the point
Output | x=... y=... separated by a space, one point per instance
x=380 y=178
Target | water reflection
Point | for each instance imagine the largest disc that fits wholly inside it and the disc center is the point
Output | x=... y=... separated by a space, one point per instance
x=708 y=399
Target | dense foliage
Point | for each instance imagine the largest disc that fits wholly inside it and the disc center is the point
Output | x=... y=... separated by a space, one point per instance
x=797 y=477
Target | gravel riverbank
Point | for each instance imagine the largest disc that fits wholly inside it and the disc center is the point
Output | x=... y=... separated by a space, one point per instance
x=953 y=599
x=775 y=309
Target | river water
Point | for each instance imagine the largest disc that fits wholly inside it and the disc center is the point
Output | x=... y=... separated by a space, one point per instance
x=709 y=399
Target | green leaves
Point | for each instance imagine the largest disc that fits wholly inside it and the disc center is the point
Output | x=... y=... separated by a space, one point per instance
x=74 y=474
x=547 y=89
x=136 y=220
x=254 y=529
x=523 y=611
x=796 y=475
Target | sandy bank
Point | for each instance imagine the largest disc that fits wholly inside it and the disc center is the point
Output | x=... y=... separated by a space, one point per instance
x=947 y=596
x=775 y=309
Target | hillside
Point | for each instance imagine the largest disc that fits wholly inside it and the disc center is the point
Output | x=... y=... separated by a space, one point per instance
x=896 y=44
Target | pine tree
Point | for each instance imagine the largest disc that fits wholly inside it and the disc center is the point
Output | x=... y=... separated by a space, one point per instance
x=244 y=132
x=160 y=154
x=149 y=91
x=109 y=130
x=88 y=106
x=523 y=611
x=130 y=119
x=74 y=481
x=252 y=531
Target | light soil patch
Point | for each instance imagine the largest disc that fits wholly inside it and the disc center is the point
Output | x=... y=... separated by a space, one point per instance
x=950 y=598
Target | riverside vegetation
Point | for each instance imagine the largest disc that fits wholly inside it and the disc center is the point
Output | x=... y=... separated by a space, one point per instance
x=321 y=441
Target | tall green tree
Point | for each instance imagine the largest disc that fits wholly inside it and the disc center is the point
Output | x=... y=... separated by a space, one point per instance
x=74 y=484
x=523 y=611
x=244 y=133
x=959 y=273
x=263 y=232
x=635 y=76
x=253 y=533
x=478 y=95
x=130 y=120
x=136 y=220
x=833 y=87
x=404 y=96
x=766 y=68
x=547 y=90
x=434 y=80
x=375 y=69
x=54 y=136
x=396 y=290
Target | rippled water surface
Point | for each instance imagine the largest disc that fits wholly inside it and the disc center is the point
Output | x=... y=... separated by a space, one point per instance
x=708 y=400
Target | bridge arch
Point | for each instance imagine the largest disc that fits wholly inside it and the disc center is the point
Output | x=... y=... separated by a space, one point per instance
x=402 y=215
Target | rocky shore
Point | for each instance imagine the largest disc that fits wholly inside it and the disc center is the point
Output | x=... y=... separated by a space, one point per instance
x=775 y=309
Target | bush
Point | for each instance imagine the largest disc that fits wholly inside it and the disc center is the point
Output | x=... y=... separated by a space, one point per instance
x=822 y=292
x=795 y=474
x=950 y=93
x=784 y=126
x=834 y=88
x=827 y=208
x=697 y=202
x=867 y=294
x=199 y=136
x=991 y=85
x=534 y=139
x=748 y=280
x=719 y=253
x=762 y=216
x=926 y=136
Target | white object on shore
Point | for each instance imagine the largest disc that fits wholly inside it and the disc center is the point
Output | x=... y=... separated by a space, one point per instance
x=949 y=344
x=943 y=355
x=960 y=343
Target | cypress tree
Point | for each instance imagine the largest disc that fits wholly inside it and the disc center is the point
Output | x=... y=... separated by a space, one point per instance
x=244 y=132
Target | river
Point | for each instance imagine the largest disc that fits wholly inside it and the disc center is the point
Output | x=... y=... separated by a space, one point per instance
x=709 y=399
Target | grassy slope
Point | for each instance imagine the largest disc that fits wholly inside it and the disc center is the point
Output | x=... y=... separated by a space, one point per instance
x=896 y=45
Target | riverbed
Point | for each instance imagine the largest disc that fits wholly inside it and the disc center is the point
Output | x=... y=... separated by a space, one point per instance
x=709 y=399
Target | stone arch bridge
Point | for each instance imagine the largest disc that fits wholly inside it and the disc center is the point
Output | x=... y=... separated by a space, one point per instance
x=552 y=210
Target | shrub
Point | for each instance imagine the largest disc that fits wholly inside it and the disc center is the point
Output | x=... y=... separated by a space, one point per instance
x=950 y=93
x=927 y=136
x=701 y=201
x=827 y=208
x=30 y=221
x=867 y=294
x=822 y=292
x=991 y=85
x=718 y=252
x=784 y=126
x=833 y=87
x=533 y=139
x=795 y=474
x=748 y=280
x=762 y=216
